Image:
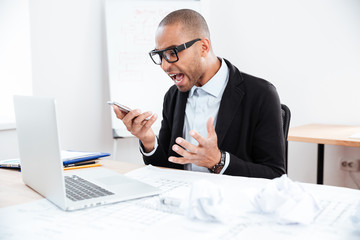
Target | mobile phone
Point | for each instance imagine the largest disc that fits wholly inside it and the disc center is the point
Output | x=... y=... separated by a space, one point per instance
x=122 y=107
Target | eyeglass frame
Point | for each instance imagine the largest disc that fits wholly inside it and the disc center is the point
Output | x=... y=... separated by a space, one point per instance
x=176 y=50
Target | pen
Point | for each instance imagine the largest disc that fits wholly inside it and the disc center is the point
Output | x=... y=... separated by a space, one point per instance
x=79 y=164
x=83 y=166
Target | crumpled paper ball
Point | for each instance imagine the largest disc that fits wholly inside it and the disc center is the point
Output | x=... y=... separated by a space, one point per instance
x=288 y=201
x=206 y=202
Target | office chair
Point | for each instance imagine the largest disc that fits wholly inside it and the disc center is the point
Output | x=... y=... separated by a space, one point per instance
x=286 y=115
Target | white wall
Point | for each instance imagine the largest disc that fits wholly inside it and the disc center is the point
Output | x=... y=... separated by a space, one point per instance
x=15 y=63
x=308 y=49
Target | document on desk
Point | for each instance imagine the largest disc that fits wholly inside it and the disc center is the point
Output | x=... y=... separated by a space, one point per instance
x=150 y=218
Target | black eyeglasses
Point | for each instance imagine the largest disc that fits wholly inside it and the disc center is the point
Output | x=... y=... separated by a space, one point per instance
x=170 y=54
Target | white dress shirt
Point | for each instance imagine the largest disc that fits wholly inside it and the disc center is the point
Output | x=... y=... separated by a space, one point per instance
x=203 y=103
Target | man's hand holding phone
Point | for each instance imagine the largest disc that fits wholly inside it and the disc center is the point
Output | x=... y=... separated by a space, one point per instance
x=137 y=123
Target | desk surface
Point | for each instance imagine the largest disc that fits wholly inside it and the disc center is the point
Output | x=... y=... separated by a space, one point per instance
x=140 y=219
x=325 y=134
x=13 y=191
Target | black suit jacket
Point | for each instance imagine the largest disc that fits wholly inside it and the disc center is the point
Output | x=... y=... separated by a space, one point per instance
x=248 y=127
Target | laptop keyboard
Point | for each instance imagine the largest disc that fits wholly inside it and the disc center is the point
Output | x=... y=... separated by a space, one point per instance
x=78 y=188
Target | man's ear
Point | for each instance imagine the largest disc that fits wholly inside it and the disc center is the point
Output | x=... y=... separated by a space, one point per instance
x=205 y=47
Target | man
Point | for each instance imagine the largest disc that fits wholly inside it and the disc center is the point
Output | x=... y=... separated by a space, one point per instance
x=208 y=91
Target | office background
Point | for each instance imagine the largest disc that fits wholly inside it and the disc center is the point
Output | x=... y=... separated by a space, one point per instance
x=309 y=49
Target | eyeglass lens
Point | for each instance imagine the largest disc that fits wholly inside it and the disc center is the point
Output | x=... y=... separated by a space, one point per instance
x=169 y=55
x=156 y=58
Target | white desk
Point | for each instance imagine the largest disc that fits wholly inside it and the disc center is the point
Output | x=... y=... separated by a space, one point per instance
x=25 y=214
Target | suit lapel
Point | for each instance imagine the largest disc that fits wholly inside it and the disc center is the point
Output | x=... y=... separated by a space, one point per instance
x=179 y=115
x=178 y=123
x=230 y=103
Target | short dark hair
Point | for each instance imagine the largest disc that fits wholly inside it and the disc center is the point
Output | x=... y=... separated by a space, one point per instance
x=193 y=22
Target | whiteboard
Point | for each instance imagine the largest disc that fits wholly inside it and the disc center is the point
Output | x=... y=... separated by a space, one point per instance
x=134 y=80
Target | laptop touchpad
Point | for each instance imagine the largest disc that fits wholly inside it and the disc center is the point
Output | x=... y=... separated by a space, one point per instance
x=114 y=180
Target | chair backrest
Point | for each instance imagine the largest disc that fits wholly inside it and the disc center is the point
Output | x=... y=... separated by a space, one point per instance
x=286 y=115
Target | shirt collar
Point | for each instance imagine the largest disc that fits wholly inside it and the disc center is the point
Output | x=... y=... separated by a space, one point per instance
x=216 y=83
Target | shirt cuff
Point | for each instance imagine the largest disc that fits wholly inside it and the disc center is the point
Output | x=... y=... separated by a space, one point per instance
x=152 y=152
x=227 y=161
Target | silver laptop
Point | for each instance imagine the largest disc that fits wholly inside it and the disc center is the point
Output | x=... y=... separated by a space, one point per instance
x=42 y=167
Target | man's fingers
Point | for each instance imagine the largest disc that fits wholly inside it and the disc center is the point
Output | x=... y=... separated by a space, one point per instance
x=200 y=139
x=119 y=114
x=140 y=119
x=179 y=150
x=130 y=116
x=150 y=122
x=185 y=144
x=203 y=154
x=179 y=160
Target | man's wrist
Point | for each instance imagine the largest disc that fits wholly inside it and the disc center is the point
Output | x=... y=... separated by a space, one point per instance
x=220 y=165
x=148 y=144
x=142 y=149
x=148 y=147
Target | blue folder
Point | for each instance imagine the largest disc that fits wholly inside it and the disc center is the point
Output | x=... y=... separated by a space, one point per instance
x=87 y=156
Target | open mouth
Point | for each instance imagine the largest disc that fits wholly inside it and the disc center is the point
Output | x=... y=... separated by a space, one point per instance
x=177 y=77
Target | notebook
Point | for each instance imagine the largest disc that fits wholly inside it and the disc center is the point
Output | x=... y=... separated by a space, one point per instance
x=42 y=166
